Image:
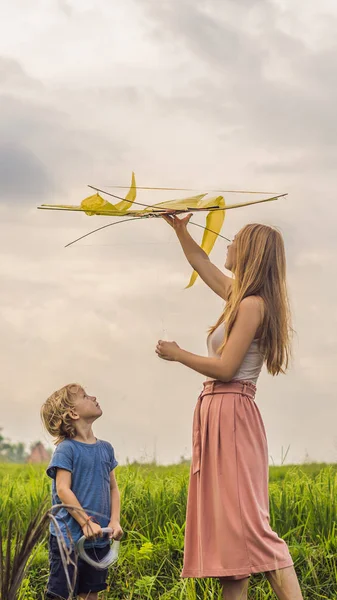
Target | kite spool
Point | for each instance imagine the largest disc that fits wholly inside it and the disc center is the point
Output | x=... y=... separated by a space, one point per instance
x=107 y=561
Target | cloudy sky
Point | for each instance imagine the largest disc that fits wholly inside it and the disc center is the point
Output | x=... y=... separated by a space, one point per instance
x=230 y=94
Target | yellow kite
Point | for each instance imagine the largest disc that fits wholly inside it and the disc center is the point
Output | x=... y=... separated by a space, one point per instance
x=215 y=207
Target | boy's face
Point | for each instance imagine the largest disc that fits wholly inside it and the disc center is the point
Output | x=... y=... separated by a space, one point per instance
x=86 y=407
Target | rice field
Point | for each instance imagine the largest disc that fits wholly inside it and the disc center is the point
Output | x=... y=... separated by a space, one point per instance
x=303 y=510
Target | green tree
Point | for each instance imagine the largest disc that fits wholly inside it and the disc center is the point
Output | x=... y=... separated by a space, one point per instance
x=11 y=452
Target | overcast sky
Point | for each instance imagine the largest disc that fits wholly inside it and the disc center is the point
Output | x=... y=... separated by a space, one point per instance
x=230 y=94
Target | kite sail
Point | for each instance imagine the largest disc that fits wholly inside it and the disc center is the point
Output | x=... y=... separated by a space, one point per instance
x=215 y=207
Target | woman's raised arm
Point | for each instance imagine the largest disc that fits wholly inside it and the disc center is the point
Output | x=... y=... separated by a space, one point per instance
x=198 y=259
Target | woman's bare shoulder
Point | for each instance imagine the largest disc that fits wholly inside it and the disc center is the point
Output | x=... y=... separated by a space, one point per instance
x=253 y=305
x=252 y=302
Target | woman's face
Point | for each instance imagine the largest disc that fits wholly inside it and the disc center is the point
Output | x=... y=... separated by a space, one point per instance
x=230 y=262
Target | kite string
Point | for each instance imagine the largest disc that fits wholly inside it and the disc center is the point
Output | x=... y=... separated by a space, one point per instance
x=164 y=330
x=173 y=189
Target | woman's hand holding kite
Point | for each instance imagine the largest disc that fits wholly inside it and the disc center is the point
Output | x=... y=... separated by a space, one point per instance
x=178 y=224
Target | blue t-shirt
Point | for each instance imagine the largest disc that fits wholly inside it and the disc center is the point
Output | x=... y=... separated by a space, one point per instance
x=90 y=466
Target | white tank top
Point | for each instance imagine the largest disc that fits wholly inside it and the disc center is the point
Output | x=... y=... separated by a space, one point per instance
x=252 y=363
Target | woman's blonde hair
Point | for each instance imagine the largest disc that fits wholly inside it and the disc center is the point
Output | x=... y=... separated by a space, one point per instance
x=56 y=412
x=260 y=270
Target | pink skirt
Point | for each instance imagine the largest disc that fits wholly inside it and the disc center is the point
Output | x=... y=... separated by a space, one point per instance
x=228 y=533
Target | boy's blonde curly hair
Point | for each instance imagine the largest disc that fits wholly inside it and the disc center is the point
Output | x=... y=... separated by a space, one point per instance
x=55 y=412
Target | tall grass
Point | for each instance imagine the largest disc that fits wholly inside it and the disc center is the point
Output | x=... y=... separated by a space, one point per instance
x=303 y=510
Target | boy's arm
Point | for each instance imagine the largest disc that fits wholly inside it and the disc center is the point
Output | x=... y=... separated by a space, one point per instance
x=67 y=496
x=117 y=531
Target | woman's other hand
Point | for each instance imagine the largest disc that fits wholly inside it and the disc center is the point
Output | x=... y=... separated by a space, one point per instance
x=168 y=350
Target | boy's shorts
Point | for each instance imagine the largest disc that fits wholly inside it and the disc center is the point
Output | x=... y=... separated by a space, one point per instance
x=88 y=579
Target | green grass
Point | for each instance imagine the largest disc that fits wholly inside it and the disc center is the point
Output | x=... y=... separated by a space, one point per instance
x=303 y=510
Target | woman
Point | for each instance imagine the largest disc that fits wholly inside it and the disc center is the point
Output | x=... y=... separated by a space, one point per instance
x=228 y=534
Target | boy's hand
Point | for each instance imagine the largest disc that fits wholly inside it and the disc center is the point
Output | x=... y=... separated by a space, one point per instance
x=117 y=531
x=92 y=530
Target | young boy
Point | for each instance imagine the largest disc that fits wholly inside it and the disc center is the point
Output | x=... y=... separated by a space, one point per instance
x=82 y=470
